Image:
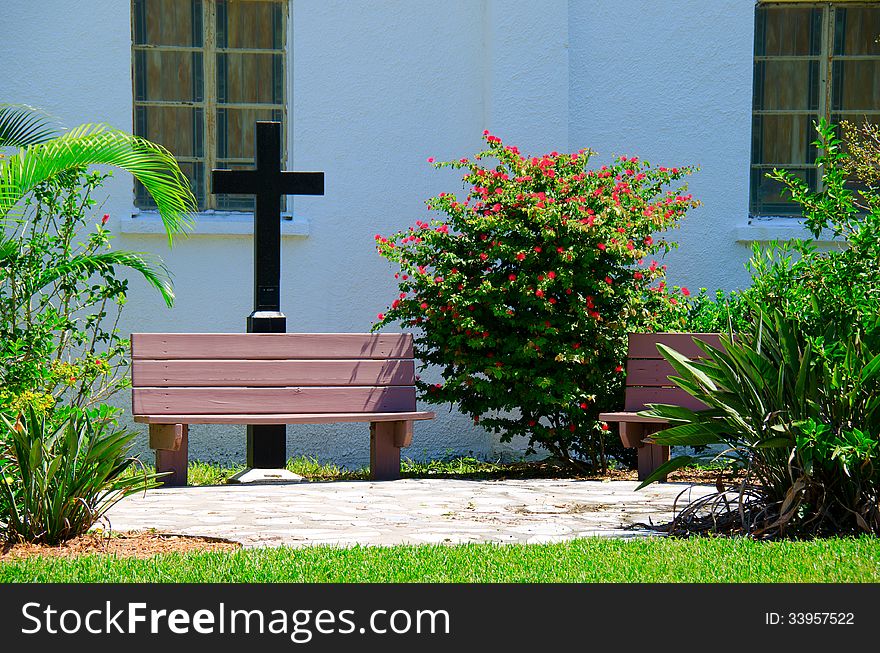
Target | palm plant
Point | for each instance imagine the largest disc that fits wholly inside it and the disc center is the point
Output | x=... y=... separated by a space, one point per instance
x=47 y=272
x=61 y=463
x=21 y=126
x=45 y=151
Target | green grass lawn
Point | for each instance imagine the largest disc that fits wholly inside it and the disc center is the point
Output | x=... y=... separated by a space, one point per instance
x=649 y=560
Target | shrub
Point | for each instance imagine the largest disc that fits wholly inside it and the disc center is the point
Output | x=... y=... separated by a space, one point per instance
x=795 y=397
x=523 y=292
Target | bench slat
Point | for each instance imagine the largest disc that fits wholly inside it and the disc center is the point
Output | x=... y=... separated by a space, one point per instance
x=237 y=373
x=271 y=345
x=649 y=372
x=636 y=398
x=218 y=401
x=284 y=418
x=644 y=345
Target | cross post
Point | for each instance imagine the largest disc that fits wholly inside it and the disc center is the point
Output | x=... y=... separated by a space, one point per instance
x=267 y=443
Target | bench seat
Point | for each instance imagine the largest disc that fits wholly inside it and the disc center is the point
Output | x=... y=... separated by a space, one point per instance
x=284 y=418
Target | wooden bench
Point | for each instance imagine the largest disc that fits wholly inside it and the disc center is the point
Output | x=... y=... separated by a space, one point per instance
x=180 y=379
x=647 y=382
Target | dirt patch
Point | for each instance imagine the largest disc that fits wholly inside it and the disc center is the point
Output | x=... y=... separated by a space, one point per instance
x=132 y=544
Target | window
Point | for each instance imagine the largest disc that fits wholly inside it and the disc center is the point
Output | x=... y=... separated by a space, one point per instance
x=811 y=60
x=204 y=72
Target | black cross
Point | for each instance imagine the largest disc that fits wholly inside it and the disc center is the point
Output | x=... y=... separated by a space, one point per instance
x=269 y=183
x=266 y=444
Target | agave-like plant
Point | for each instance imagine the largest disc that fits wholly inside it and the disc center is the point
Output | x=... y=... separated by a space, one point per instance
x=63 y=477
x=801 y=415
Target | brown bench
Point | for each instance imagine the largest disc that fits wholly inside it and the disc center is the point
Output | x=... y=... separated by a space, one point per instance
x=647 y=382
x=274 y=378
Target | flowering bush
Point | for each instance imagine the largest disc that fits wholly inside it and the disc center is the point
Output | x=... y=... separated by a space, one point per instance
x=523 y=292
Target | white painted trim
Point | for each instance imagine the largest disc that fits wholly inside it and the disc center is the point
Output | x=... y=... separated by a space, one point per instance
x=764 y=230
x=213 y=223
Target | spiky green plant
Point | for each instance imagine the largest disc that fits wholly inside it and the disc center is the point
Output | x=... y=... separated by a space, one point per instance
x=800 y=414
x=63 y=477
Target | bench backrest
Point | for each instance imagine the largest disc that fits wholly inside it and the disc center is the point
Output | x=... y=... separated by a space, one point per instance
x=261 y=373
x=647 y=372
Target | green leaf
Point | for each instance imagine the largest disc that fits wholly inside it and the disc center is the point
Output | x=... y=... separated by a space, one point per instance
x=775 y=443
x=683 y=365
x=21 y=125
x=693 y=434
x=666 y=468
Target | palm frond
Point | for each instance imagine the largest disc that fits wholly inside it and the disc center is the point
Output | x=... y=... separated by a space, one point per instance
x=151 y=164
x=150 y=267
x=21 y=125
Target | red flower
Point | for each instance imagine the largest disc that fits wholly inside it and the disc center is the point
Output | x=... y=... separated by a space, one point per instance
x=551 y=275
x=609 y=280
x=511 y=277
x=685 y=292
x=552 y=300
x=520 y=256
x=538 y=250
x=424 y=305
x=105 y=218
x=638 y=275
x=605 y=426
x=584 y=405
x=539 y=293
x=619 y=368
x=571 y=427
x=381 y=316
x=430 y=159
x=601 y=246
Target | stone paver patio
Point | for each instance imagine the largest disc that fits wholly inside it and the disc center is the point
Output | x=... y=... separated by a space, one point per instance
x=408 y=511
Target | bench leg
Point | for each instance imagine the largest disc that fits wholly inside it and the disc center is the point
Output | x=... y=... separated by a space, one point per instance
x=385 y=441
x=171 y=443
x=650 y=456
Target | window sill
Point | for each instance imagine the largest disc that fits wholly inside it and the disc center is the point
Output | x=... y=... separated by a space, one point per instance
x=213 y=223
x=763 y=230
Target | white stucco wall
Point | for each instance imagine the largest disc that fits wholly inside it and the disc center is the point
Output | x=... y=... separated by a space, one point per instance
x=376 y=88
